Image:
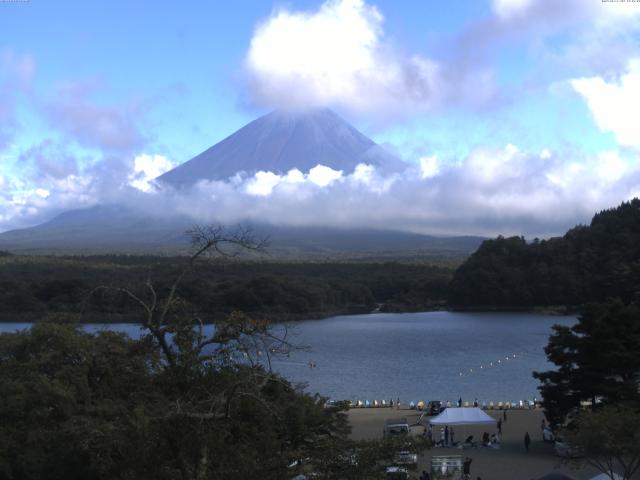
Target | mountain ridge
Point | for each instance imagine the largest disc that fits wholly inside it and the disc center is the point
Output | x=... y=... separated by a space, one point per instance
x=118 y=229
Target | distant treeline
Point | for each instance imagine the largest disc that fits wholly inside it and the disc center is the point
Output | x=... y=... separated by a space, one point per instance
x=588 y=264
x=34 y=287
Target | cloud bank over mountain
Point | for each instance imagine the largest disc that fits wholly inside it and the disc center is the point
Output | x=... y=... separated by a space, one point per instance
x=494 y=191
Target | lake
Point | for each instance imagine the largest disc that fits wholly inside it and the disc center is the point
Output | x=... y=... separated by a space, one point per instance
x=414 y=356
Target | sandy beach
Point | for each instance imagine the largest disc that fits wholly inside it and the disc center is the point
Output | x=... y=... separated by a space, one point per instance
x=510 y=462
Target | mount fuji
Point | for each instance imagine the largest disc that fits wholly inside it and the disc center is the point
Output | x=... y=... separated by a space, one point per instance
x=277 y=142
x=281 y=141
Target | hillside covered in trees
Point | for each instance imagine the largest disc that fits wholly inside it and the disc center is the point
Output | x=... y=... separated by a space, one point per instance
x=588 y=264
x=34 y=287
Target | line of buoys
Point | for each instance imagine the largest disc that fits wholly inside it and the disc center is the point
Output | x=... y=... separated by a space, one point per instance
x=486 y=366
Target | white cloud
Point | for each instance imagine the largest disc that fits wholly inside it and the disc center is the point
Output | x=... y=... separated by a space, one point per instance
x=610 y=167
x=491 y=191
x=506 y=9
x=336 y=55
x=322 y=175
x=614 y=104
x=42 y=192
x=429 y=166
x=36 y=194
x=263 y=183
x=620 y=10
x=146 y=168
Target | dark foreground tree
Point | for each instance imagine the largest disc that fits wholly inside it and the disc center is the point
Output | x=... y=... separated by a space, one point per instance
x=77 y=405
x=609 y=440
x=598 y=361
x=181 y=402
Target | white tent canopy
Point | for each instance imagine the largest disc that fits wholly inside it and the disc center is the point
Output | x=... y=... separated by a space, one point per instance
x=462 y=416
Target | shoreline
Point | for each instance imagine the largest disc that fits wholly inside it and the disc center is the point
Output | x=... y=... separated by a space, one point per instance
x=313 y=316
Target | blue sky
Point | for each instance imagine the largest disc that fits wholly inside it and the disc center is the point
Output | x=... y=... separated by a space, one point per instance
x=481 y=99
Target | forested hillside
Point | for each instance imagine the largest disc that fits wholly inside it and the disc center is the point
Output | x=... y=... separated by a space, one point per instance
x=588 y=264
x=33 y=287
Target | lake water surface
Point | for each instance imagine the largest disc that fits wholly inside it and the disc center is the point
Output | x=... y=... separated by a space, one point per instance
x=414 y=356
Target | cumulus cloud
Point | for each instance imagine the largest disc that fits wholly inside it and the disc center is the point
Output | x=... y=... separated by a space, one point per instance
x=614 y=104
x=51 y=181
x=429 y=166
x=337 y=56
x=491 y=191
x=146 y=168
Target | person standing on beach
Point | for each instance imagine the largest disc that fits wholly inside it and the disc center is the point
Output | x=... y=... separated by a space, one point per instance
x=459 y=402
x=500 y=426
x=504 y=415
x=430 y=434
x=451 y=435
x=527 y=441
x=446 y=435
x=398 y=403
x=466 y=468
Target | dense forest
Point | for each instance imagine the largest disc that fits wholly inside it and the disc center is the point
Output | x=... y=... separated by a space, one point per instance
x=588 y=264
x=33 y=287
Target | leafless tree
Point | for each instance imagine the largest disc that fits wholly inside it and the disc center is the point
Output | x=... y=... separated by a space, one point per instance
x=236 y=340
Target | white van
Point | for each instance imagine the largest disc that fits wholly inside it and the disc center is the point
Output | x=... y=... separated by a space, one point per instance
x=396 y=426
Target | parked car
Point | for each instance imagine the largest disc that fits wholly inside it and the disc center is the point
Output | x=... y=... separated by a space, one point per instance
x=395 y=427
x=395 y=472
x=407 y=458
